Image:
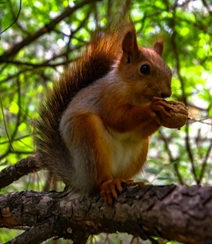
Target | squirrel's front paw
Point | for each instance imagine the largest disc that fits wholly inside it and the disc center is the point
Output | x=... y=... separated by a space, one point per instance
x=170 y=114
x=159 y=110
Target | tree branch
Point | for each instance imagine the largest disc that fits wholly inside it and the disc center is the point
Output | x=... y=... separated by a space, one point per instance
x=179 y=213
x=45 y=29
x=21 y=168
x=15 y=18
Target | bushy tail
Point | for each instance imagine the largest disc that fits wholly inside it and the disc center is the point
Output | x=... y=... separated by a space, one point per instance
x=95 y=63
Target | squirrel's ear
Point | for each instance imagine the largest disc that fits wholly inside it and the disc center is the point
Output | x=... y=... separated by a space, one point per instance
x=158 y=48
x=130 y=46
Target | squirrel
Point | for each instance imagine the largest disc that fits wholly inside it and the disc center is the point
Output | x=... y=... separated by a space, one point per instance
x=94 y=127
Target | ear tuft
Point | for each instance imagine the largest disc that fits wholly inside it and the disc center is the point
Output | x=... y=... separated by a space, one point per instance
x=158 y=48
x=129 y=44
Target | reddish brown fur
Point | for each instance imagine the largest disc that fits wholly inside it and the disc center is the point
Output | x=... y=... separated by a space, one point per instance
x=95 y=126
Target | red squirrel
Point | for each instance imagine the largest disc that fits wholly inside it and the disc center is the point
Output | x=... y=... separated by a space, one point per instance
x=95 y=124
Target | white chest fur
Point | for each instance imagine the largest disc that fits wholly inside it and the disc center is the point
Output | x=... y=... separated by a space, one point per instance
x=126 y=150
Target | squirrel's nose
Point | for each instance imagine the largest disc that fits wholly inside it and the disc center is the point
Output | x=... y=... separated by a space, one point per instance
x=165 y=94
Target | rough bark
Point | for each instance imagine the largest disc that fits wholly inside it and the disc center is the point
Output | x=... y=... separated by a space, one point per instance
x=16 y=171
x=179 y=213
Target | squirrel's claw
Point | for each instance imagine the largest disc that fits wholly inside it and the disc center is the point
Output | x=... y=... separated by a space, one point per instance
x=109 y=190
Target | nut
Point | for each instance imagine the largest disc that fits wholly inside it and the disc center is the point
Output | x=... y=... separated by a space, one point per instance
x=178 y=115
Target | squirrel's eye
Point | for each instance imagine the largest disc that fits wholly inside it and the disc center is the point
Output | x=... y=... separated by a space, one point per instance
x=145 y=69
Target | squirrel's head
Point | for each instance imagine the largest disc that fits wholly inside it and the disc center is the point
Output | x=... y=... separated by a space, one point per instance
x=143 y=70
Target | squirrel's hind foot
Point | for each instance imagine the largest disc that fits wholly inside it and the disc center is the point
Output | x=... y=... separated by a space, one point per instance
x=110 y=189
